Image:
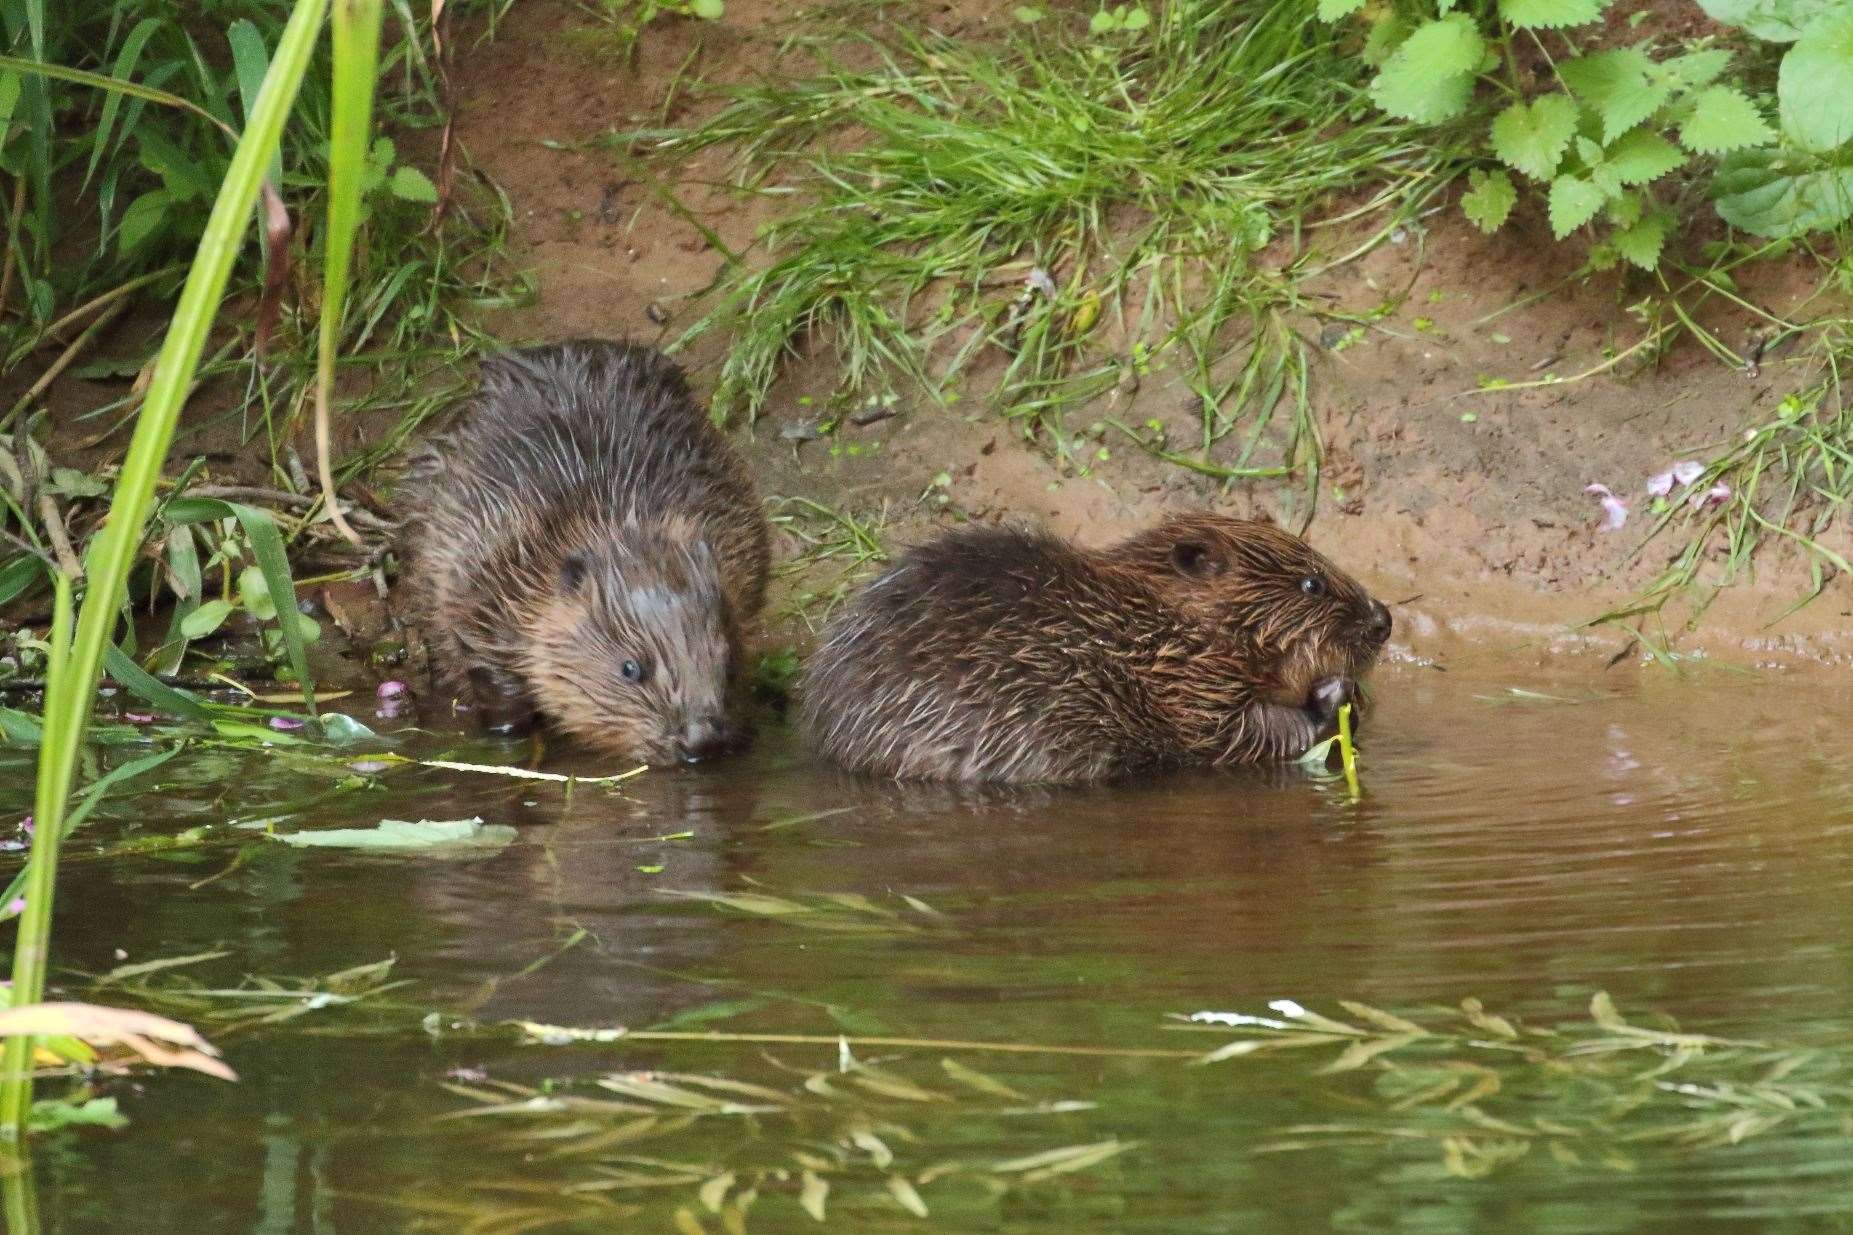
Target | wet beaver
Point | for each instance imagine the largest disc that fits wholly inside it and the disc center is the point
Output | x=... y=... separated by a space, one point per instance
x=585 y=545
x=993 y=654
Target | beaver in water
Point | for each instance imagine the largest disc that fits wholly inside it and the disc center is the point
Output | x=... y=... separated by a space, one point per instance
x=997 y=654
x=584 y=545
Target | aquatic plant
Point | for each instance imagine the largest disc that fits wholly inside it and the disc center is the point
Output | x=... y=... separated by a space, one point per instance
x=78 y=643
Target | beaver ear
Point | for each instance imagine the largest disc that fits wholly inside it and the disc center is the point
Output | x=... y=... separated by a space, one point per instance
x=1196 y=559
x=572 y=572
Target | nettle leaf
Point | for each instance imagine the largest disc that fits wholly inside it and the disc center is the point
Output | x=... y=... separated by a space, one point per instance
x=1430 y=77
x=1623 y=87
x=1550 y=14
x=1489 y=199
x=1642 y=155
x=1775 y=21
x=1815 y=85
x=1532 y=137
x=1641 y=244
x=1723 y=118
x=1770 y=193
x=1334 y=10
x=1574 y=202
x=1625 y=210
x=411 y=185
x=1699 y=68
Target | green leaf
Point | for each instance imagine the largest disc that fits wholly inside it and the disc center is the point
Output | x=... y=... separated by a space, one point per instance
x=1573 y=203
x=145 y=685
x=1773 y=194
x=1430 y=77
x=1333 y=10
x=1815 y=85
x=1489 y=199
x=708 y=10
x=411 y=185
x=206 y=619
x=1532 y=137
x=400 y=836
x=1387 y=33
x=267 y=546
x=1622 y=86
x=1642 y=155
x=1550 y=14
x=1776 y=21
x=1723 y=119
x=19 y=574
x=1699 y=68
x=255 y=592
x=1641 y=244
x=142 y=219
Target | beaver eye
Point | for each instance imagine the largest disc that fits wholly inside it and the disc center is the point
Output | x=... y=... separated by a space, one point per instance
x=1313 y=585
x=631 y=671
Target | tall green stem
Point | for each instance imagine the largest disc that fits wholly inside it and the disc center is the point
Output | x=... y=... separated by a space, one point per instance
x=74 y=677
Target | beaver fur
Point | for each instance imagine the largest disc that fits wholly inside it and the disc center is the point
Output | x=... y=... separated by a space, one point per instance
x=1000 y=654
x=584 y=545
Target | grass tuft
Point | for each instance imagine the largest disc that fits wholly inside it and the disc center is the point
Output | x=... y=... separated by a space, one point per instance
x=1069 y=209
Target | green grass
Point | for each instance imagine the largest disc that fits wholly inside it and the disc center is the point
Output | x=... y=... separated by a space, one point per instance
x=1171 y=188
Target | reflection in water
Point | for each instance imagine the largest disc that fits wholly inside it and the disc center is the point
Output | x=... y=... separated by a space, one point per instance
x=1684 y=845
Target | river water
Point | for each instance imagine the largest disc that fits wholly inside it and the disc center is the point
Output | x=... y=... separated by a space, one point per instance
x=871 y=981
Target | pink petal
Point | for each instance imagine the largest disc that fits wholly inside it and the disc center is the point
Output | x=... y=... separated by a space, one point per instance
x=16 y=907
x=26 y=825
x=139 y=718
x=285 y=722
x=1688 y=471
x=1660 y=483
x=391 y=689
x=1614 y=510
x=1717 y=495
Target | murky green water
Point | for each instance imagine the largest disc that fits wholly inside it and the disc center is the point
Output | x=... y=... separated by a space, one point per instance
x=1685 y=845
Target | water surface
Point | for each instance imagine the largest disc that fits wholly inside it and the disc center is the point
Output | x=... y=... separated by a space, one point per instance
x=1683 y=843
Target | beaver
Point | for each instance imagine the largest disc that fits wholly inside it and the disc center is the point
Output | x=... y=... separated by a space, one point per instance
x=1007 y=655
x=585 y=547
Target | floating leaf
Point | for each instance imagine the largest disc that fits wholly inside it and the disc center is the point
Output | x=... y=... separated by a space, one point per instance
x=156 y=1039
x=398 y=835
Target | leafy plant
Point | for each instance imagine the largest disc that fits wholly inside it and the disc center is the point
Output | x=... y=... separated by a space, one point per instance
x=1601 y=134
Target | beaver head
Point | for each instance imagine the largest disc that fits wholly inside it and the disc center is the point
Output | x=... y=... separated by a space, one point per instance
x=633 y=645
x=1305 y=618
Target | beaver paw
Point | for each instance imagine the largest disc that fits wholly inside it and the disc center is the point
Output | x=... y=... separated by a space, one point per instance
x=1330 y=694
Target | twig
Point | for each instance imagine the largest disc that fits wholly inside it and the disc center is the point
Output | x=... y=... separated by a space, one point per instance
x=19 y=208
x=71 y=353
x=60 y=541
x=282 y=497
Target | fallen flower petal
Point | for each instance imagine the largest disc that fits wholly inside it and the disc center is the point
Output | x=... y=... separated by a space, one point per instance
x=1688 y=471
x=1040 y=281
x=285 y=723
x=1614 y=510
x=391 y=689
x=1717 y=495
x=1660 y=483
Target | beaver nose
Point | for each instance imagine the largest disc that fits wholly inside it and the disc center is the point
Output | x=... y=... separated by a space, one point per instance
x=1377 y=625
x=703 y=739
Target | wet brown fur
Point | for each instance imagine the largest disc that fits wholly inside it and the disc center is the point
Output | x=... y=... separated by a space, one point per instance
x=995 y=654
x=584 y=513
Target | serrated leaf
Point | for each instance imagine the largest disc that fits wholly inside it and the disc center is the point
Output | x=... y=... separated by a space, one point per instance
x=1699 y=68
x=1723 y=119
x=1489 y=199
x=1387 y=33
x=1624 y=211
x=1762 y=192
x=1334 y=10
x=1641 y=244
x=1550 y=14
x=1641 y=155
x=1532 y=137
x=1429 y=78
x=1573 y=203
x=1620 y=86
x=1815 y=85
x=411 y=185
x=1777 y=21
